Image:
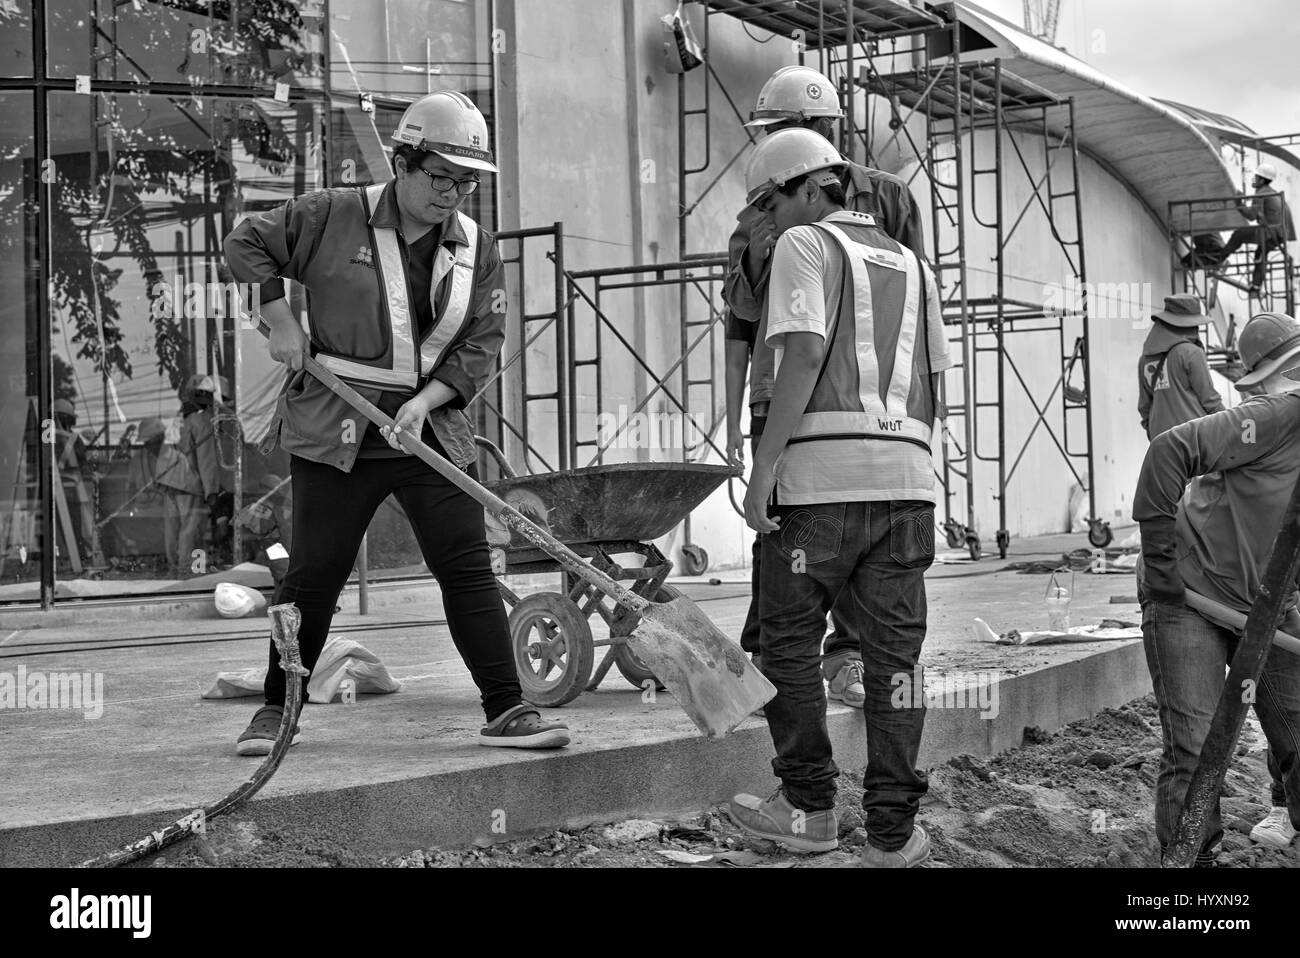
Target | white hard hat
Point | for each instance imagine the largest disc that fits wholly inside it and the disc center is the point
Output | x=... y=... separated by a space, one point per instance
x=787 y=155
x=795 y=93
x=235 y=601
x=1266 y=171
x=449 y=125
x=1265 y=343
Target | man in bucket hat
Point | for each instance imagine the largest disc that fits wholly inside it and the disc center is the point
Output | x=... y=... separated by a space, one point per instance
x=1209 y=499
x=1174 y=383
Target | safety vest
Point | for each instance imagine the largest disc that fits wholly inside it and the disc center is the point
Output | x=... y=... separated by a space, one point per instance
x=882 y=314
x=405 y=364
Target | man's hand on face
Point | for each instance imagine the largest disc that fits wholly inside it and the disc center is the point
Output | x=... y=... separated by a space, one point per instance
x=762 y=238
x=759 y=492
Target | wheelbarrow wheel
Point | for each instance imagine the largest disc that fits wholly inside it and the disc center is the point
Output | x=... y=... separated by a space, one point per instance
x=631 y=667
x=553 y=648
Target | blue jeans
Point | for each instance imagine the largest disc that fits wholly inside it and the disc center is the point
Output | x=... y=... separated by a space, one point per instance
x=1188 y=657
x=841 y=646
x=873 y=557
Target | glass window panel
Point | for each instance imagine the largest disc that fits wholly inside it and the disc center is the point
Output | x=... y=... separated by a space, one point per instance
x=244 y=43
x=144 y=318
x=16 y=38
x=20 y=503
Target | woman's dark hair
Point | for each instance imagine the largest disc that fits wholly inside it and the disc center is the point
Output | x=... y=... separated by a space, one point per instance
x=835 y=192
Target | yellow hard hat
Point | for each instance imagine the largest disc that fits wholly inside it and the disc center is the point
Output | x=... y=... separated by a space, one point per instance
x=787 y=155
x=449 y=125
x=795 y=93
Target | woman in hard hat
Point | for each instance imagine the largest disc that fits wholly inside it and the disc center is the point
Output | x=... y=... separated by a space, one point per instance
x=407 y=303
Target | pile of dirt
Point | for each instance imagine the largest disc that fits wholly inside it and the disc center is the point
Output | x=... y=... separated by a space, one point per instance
x=1078 y=797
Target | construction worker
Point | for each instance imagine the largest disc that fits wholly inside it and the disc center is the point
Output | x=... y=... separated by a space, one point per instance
x=198 y=444
x=77 y=476
x=182 y=495
x=1214 y=537
x=1174 y=383
x=842 y=494
x=408 y=305
x=1276 y=227
x=795 y=97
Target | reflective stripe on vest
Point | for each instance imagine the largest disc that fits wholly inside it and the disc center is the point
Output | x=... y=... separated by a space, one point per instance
x=875 y=418
x=401 y=371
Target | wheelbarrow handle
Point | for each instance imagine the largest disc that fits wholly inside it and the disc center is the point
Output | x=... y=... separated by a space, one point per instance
x=509 y=516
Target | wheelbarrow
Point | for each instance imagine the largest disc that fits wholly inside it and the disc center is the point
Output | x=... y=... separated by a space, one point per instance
x=599 y=512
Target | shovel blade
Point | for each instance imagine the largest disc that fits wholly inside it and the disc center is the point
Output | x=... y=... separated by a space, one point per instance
x=709 y=674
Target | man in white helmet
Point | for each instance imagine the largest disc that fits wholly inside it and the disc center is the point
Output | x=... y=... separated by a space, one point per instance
x=796 y=97
x=842 y=495
x=1210 y=496
x=407 y=303
x=1275 y=226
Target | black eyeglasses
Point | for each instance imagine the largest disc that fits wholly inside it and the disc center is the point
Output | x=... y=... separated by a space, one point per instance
x=444 y=184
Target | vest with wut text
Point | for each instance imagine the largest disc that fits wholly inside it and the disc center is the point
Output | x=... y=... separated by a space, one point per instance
x=875 y=381
x=407 y=362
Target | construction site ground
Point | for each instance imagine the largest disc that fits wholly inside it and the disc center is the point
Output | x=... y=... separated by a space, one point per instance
x=1058 y=772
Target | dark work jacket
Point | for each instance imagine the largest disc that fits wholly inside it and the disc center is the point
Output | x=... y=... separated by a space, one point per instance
x=1184 y=390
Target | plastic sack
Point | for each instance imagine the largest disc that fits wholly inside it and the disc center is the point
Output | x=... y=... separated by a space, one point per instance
x=341 y=660
x=683 y=51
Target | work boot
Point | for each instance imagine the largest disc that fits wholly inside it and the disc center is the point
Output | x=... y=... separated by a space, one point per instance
x=779 y=821
x=523 y=727
x=846 y=685
x=1275 y=831
x=910 y=855
x=261 y=732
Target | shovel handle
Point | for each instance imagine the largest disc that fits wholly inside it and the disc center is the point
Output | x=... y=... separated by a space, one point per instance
x=1220 y=614
x=514 y=520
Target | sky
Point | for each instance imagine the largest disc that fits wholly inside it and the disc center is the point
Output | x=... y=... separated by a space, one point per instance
x=1240 y=58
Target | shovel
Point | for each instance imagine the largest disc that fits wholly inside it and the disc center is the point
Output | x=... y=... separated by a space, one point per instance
x=709 y=674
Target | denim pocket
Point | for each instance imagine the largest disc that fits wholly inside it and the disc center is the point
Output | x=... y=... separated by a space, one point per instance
x=911 y=534
x=814 y=532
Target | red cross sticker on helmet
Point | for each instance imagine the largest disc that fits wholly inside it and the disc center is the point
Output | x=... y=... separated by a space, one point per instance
x=449 y=125
x=795 y=93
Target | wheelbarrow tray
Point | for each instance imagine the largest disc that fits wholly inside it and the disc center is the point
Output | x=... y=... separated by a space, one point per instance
x=632 y=501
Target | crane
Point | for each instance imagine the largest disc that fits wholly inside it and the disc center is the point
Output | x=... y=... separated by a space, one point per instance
x=1041 y=18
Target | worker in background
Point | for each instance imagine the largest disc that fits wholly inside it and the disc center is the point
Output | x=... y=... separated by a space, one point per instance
x=795 y=97
x=842 y=494
x=1275 y=226
x=408 y=305
x=1174 y=383
x=77 y=476
x=198 y=443
x=182 y=496
x=1214 y=537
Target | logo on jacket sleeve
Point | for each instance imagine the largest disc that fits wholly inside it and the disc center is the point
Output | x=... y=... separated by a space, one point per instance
x=363 y=258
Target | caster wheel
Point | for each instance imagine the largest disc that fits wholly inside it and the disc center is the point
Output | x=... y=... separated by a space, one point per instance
x=1099 y=534
x=694 y=559
x=552 y=647
x=973 y=546
x=1004 y=542
x=956 y=533
x=632 y=668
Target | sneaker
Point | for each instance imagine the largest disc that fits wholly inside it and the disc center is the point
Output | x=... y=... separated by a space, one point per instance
x=778 y=821
x=261 y=732
x=1275 y=831
x=847 y=687
x=523 y=727
x=910 y=855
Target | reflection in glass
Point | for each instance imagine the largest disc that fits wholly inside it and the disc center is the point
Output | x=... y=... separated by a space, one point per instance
x=15 y=38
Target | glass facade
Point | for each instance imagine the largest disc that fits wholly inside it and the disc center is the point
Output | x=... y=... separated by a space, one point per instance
x=133 y=135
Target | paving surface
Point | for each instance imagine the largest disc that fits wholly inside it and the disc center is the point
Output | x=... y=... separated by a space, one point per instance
x=158 y=747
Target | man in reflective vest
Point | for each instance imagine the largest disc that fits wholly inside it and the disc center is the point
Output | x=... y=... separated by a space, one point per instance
x=842 y=491
x=406 y=303
x=795 y=97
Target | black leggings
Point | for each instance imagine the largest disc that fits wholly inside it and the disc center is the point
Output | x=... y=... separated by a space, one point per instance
x=331 y=511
